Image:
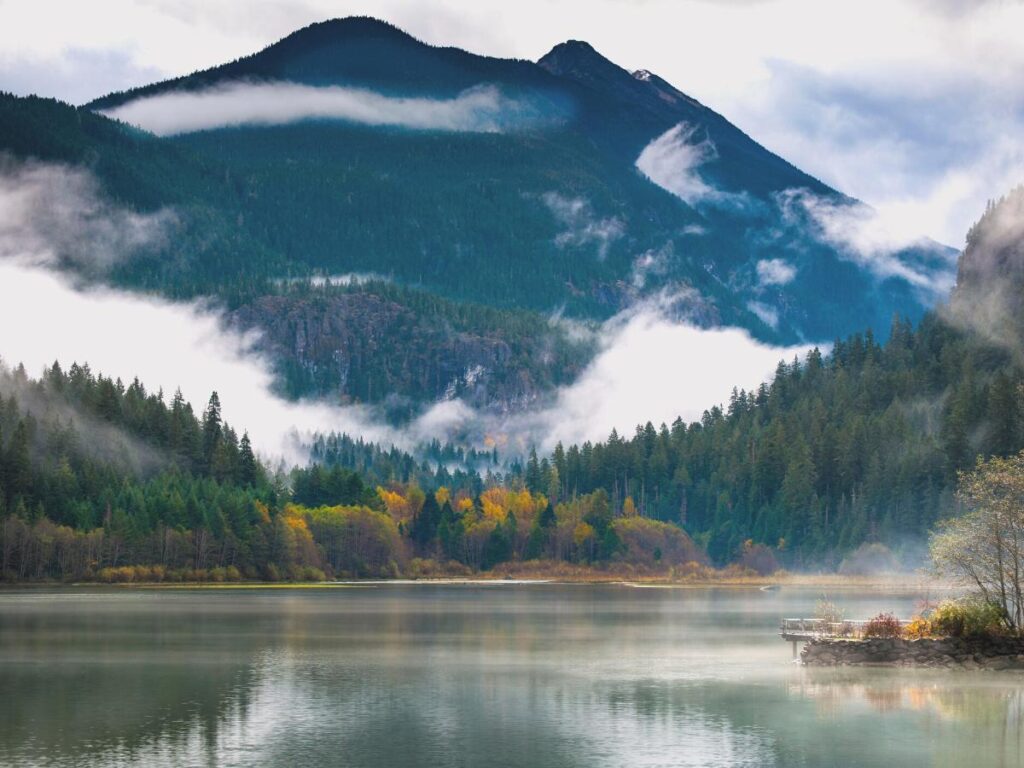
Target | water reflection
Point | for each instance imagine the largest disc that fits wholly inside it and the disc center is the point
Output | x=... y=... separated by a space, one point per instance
x=456 y=675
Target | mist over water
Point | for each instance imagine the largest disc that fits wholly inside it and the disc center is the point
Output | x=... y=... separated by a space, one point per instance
x=504 y=675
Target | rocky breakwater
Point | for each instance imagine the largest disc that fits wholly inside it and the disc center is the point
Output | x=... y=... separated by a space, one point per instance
x=950 y=653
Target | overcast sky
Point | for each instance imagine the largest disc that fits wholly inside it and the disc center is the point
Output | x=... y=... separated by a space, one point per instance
x=915 y=106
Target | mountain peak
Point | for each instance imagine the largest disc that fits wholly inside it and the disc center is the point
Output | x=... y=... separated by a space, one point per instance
x=579 y=60
x=343 y=30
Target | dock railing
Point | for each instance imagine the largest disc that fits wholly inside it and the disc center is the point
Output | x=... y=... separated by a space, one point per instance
x=808 y=629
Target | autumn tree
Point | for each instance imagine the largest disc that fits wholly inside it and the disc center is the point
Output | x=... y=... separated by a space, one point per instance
x=984 y=548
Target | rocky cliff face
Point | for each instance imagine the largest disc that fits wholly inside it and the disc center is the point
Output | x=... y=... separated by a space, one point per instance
x=364 y=347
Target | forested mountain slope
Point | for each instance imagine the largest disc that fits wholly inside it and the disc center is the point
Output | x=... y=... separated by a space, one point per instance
x=554 y=213
x=861 y=444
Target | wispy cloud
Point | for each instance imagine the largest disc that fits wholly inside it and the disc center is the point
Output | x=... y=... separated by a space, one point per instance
x=878 y=242
x=766 y=314
x=581 y=227
x=673 y=161
x=54 y=215
x=775 y=272
x=651 y=263
x=481 y=109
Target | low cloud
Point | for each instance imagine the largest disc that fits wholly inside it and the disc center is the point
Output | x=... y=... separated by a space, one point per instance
x=53 y=215
x=652 y=367
x=673 y=162
x=482 y=109
x=581 y=227
x=344 y=280
x=167 y=345
x=880 y=243
x=652 y=263
x=775 y=272
x=767 y=315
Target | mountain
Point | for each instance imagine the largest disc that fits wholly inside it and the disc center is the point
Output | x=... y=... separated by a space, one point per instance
x=516 y=218
x=550 y=207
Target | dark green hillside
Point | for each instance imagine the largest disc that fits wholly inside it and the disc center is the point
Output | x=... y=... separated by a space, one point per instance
x=211 y=251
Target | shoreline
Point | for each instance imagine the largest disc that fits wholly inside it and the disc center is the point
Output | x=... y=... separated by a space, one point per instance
x=768 y=584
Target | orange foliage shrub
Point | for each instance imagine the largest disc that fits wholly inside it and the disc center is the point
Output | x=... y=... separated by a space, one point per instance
x=917 y=628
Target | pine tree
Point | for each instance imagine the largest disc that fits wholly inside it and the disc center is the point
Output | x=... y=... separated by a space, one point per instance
x=248 y=466
x=212 y=432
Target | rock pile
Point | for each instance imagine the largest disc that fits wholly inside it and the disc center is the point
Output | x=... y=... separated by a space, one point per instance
x=950 y=652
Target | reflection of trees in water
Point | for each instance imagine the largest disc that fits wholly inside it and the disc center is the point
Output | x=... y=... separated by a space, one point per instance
x=987 y=700
x=987 y=707
x=97 y=687
x=368 y=677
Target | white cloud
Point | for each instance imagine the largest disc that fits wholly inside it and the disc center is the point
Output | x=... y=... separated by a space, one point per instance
x=651 y=367
x=51 y=214
x=581 y=227
x=767 y=315
x=775 y=272
x=165 y=344
x=480 y=109
x=651 y=263
x=875 y=240
x=673 y=161
x=654 y=368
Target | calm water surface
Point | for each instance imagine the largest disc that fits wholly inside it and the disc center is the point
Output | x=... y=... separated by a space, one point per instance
x=465 y=675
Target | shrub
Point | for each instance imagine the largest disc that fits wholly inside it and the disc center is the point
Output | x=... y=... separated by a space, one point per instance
x=883 y=625
x=827 y=611
x=967 y=618
x=917 y=628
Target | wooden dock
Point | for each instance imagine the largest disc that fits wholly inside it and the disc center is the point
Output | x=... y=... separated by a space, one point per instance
x=804 y=630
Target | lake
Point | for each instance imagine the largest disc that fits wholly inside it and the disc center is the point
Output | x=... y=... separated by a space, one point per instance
x=470 y=675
